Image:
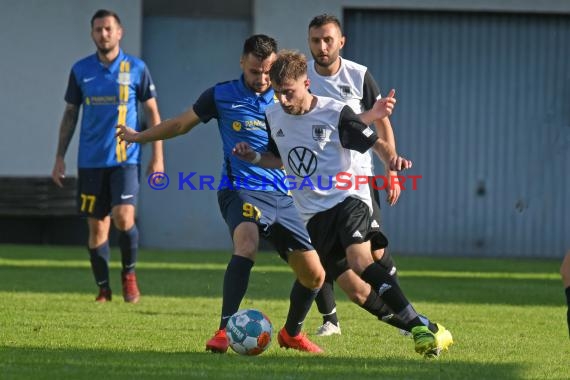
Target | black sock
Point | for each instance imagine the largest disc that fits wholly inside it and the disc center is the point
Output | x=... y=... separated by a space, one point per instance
x=300 y=302
x=99 y=257
x=375 y=306
x=326 y=303
x=390 y=292
x=568 y=312
x=129 y=245
x=236 y=280
x=388 y=263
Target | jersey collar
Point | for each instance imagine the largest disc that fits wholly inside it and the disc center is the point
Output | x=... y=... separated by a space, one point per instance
x=267 y=96
x=114 y=66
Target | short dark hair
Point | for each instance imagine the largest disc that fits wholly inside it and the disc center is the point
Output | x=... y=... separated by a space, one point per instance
x=260 y=45
x=324 y=19
x=289 y=64
x=101 y=13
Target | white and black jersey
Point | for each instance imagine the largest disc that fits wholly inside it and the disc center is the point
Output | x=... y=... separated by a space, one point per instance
x=354 y=86
x=316 y=151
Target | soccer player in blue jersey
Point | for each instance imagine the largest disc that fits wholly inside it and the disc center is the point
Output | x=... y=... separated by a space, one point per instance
x=108 y=85
x=239 y=107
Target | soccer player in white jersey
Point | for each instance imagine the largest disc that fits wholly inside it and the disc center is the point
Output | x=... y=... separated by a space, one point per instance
x=312 y=137
x=351 y=83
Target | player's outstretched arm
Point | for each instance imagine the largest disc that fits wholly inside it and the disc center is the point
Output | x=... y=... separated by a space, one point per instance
x=167 y=129
x=388 y=155
x=243 y=151
x=382 y=108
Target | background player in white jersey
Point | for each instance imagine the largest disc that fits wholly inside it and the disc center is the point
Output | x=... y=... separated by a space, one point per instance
x=351 y=83
x=313 y=138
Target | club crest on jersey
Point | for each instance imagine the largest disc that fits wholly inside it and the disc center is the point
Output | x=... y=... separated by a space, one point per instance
x=124 y=79
x=321 y=133
x=345 y=91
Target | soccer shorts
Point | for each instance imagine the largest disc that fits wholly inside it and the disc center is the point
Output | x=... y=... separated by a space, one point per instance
x=379 y=240
x=101 y=189
x=333 y=230
x=273 y=212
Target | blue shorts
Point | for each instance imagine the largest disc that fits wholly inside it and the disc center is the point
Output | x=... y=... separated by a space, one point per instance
x=100 y=189
x=274 y=213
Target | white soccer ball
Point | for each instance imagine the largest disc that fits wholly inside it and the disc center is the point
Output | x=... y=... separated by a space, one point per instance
x=249 y=332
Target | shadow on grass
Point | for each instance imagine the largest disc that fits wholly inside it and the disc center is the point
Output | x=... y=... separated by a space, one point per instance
x=274 y=282
x=23 y=363
x=276 y=285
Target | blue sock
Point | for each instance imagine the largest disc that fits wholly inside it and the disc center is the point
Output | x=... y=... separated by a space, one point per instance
x=236 y=280
x=129 y=245
x=99 y=257
x=300 y=302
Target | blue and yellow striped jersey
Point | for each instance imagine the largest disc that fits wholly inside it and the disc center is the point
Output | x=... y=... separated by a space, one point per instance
x=241 y=117
x=109 y=96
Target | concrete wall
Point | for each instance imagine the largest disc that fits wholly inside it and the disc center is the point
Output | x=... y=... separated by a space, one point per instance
x=39 y=41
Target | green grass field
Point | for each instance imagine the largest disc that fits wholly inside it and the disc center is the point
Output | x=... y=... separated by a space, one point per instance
x=508 y=318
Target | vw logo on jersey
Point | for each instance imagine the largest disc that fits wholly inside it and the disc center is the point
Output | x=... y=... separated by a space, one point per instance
x=302 y=161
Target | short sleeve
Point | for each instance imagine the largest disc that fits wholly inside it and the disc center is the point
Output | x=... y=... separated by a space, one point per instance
x=205 y=106
x=353 y=133
x=73 y=94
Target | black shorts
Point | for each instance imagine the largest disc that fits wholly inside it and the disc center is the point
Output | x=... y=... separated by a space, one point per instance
x=379 y=241
x=275 y=214
x=333 y=230
x=101 y=189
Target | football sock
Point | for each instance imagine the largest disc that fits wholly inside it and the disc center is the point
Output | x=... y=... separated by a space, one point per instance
x=568 y=312
x=300 y=302
x=236 y=280
x=326 y=303
x=99 y=258
x=375 y=306
x=388 y=263
x=390 y=292
x=129 y=245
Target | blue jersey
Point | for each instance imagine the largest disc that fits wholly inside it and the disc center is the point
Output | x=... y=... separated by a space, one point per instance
x=241 y=118
x=109 y=96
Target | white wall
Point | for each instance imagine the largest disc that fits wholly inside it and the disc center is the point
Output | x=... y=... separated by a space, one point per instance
x=39 y=41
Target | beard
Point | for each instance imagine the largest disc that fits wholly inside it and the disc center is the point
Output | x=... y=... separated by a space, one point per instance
x=105 y=48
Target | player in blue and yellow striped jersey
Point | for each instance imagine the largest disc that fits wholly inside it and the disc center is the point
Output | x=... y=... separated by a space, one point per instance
x=261 y=206
x=108 y=86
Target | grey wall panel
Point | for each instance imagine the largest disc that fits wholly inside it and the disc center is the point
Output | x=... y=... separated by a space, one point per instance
x=186 y=56
x=40 y=41
x=484 y=110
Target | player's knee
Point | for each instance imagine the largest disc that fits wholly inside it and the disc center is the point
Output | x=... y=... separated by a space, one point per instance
x=246 y=249
x=378 y=254
x=313 y=279
x=123 y=223
x=357 y=297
